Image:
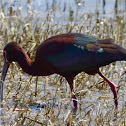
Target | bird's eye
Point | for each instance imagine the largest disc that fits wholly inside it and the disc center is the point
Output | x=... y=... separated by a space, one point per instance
x=4 y=54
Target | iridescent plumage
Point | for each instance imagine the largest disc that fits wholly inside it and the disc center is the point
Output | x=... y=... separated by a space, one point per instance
x=67 y=55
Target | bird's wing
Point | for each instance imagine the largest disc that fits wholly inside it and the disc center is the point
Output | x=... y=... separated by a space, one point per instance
x=70 y=53
x=76 y=52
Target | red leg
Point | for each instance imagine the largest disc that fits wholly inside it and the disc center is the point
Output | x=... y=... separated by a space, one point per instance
x=113 y=88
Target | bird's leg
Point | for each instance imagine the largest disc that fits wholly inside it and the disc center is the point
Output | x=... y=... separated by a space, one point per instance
x=70 y=81
x=73 y=96
x=36 y=86
x=113 y=88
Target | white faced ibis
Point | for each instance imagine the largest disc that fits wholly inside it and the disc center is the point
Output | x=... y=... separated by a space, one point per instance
x=67 y=55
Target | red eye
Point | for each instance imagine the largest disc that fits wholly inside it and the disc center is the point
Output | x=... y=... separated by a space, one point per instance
x=4 y=54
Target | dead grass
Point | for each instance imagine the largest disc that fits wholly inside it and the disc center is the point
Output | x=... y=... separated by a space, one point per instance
x=96 y=106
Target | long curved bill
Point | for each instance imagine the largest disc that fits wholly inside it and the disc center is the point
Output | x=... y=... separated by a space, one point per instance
x=4 y=72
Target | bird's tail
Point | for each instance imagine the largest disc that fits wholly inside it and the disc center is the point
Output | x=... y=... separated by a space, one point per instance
x=108 y=46
x=123 y=51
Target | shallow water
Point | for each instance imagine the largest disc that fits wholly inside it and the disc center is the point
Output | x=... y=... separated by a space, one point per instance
x=41 y=7
x=95 y=99
x=92 y=101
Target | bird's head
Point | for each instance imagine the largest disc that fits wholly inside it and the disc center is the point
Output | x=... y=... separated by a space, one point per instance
x=10 y=54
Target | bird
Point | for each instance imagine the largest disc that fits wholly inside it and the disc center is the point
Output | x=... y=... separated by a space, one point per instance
x=66 y=54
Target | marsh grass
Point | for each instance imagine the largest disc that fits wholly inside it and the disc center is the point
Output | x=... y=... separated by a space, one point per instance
x=96 y=106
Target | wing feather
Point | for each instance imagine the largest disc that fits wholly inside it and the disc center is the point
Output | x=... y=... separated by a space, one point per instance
x=71 y=54
x=76 y=52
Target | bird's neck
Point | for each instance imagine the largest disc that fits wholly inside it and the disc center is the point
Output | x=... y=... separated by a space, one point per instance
x=26 y=63
x=38 y=67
